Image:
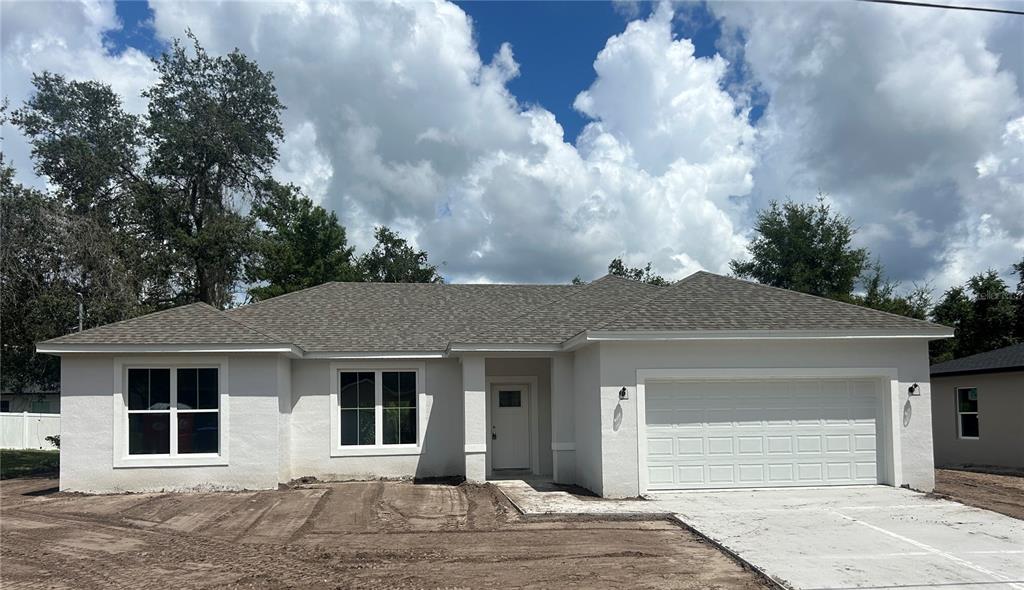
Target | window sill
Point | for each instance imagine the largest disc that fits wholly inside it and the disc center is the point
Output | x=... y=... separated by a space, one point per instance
x=375 y=451
x=166 y=461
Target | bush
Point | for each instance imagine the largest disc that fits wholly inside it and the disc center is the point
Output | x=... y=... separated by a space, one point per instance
x=54 y=440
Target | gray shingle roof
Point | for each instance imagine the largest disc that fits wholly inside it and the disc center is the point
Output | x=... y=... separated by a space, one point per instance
x=563 y=318
x=382 y=317
x=403 y=317
x=704 y=301
x=197 y=323
x=1010 y=358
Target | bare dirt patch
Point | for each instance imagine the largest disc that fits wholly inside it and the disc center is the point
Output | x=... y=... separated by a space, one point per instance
x=344 y=535
x=999 y=492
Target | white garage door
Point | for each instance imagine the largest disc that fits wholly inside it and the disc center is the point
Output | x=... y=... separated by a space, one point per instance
x=728 y=434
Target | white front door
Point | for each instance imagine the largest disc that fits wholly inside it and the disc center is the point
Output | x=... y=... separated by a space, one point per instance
x=729 y=434
x=510 y=427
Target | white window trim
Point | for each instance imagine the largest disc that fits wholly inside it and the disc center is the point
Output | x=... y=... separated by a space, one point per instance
x=959 y=422
x=121 y=457
x=378 y=448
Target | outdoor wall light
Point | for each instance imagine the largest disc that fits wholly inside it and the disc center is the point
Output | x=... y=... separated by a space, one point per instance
x=623 y=394
x=914 y=389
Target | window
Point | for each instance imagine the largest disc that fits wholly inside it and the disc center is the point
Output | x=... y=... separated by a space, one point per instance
x=173 y=411
x=967 y=411
x=5 y=406
x=377 y=408
x=41 y=407
x=509 y=399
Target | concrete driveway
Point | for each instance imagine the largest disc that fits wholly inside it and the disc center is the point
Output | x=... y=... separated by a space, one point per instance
x=858 y=537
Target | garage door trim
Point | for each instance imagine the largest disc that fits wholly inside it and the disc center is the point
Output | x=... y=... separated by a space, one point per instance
x=888 y=432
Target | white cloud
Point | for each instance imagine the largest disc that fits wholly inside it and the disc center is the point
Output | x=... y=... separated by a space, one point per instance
x=910 y=118
x=63 y=38
x=900 y=113
x=419 y=132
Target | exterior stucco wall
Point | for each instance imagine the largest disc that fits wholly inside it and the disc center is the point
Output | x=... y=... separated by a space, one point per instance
x=1000 y=421
x=540 y=368
x=87 y=385
x=619 y=362
x=442 y=444
x=589 y=407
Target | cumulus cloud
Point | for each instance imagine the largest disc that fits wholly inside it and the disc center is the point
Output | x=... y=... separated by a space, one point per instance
x=903 y=114
x=63 y=38
x=911 y=119
x=413 y=128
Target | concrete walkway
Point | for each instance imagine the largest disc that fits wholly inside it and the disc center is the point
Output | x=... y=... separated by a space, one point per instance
x=835 y=538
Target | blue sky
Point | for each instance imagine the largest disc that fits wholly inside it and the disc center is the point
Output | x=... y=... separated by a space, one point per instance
x=554 y=43
x=399 y=113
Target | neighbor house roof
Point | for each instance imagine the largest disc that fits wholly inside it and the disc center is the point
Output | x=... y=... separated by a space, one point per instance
x=435 y=318
x=1010 y=358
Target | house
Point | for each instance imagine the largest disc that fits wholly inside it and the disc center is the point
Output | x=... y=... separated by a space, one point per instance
x=978 y=409
x=36 y=399
x=617 y=386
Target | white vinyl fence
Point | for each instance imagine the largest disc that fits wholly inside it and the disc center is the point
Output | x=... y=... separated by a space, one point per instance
x=28 y=430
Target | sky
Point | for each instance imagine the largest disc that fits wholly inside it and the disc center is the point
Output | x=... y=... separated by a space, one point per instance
x=535 y=141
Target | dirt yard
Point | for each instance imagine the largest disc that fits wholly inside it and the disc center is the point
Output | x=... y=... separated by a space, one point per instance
x=346 y=535
x=1002 y=492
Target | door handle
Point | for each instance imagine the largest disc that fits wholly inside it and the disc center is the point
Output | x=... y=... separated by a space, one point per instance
x=494 y=435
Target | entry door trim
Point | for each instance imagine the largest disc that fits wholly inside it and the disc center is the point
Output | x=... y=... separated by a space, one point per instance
x=890 y=401
x=530 y=383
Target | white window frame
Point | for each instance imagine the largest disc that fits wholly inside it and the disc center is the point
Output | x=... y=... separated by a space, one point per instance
x=959 y=422
x=121 y=457
x=378 y=448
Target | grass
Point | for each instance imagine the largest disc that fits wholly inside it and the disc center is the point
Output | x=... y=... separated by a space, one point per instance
x=25 y=462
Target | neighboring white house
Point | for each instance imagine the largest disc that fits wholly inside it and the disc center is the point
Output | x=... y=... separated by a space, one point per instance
x=617 y=386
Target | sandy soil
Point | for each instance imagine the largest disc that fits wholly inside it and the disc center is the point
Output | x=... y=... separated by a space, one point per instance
x=345 y=535
x=999 y=492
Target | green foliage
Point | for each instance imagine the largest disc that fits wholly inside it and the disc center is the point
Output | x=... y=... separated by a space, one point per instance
x=48 y=256
x=393 y=260
x=301 y=245
x=28 y=462
x=983 y=313
x=805 y=248
x=881 y=293
x=53 y=440
x=212 y=131
x=640 y=273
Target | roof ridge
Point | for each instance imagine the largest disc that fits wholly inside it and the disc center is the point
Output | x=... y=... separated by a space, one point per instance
x=821 y=297
x=277 y=339
x=656 y=294
x=282 y=296
x=582 y=288
x=145 y=315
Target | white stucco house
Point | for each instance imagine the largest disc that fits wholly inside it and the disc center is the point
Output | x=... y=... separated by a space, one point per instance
x=617 y=386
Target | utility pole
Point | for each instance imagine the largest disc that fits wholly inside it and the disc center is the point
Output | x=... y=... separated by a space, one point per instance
x=81 y=310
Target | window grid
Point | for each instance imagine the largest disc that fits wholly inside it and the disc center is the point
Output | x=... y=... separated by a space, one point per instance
x=172 y=410
x=967 y=422
x=407 y=427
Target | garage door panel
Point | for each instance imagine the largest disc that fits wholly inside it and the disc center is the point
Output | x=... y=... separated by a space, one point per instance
x=770 y=433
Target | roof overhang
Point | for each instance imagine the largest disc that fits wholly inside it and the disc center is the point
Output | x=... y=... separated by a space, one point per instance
x=459 y=347
x=590 y=336
x=58 y=349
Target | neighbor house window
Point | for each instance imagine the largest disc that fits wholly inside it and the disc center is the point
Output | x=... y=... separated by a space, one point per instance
x=173 y=411
x=377 y=408
x=41 y=407
x=5 y=406
x=967 y=411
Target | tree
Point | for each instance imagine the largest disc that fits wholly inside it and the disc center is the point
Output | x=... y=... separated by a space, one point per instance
x=302 y=245
x=881 y=293
x=1018 y=269
x=212 y=129
x=804 y=248
x=393 y=260
x=49 y=257
x=640 y=273
x=983 y=314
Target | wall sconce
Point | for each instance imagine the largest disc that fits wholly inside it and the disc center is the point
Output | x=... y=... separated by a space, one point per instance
x=914 y=389
x=623 y=394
